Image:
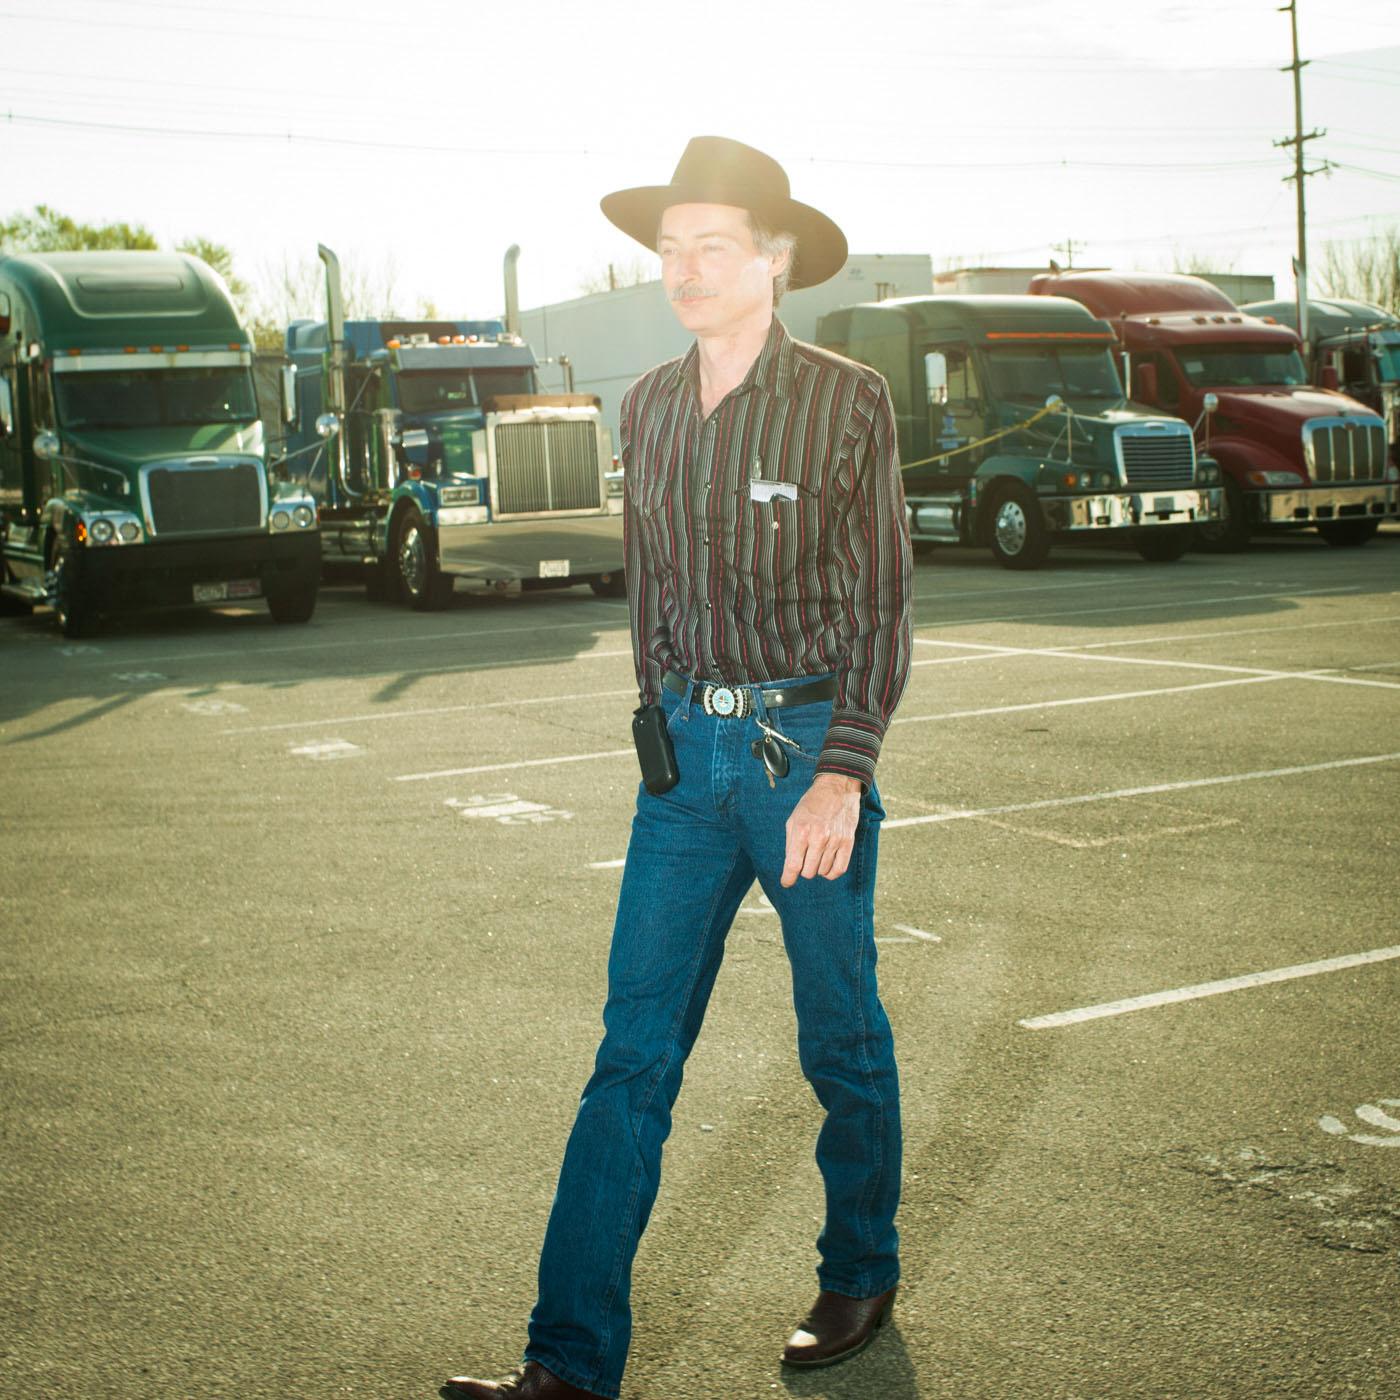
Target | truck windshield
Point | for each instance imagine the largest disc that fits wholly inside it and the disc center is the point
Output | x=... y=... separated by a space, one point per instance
x=1241 y=366
x=437 y=390
x=155 y=398
x=1033 y=372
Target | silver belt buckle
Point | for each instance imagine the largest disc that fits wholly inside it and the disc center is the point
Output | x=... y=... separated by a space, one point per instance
x=725 y=702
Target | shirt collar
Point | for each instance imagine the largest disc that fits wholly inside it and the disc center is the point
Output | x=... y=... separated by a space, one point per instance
x=773 y=370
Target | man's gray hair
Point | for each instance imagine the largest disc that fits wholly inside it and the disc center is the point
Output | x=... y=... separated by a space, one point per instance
x=771 y=242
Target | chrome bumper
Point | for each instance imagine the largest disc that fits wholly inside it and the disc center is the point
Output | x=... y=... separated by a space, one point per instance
x=1128 y=512
x=1375 y=500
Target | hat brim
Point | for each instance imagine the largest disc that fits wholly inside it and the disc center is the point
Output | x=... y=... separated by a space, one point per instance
x=821 y=246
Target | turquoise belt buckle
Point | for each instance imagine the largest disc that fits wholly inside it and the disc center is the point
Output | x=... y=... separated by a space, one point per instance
x=725 y=702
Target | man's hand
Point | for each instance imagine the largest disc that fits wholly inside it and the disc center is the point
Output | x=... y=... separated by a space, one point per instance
x=822 y=829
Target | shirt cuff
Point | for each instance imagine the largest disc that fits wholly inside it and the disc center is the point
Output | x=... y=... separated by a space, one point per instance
x=852 y=745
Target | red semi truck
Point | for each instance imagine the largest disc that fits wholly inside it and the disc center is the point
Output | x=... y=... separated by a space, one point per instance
x=1293 y=456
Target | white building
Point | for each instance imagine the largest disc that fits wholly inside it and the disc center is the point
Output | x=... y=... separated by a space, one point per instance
x=612 y=338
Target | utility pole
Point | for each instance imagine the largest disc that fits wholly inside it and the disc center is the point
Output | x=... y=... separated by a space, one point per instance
x=1069 y=248
x=1300 y=173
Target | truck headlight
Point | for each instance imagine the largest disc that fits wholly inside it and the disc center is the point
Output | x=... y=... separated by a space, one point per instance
x=102 y=531
x=130 y=531
x=1275 y=479
x=281 y=519
x=304 y=516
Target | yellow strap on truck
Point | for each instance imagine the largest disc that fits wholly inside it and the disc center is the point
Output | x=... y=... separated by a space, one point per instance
x=1035 y=417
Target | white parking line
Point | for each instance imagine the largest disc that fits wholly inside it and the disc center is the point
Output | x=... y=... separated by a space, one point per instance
x=971 y=813
x=1176 y=603
x=505 y=767
x=433 y=710
x=992 y=652
x=1085 y=700
x=1206 y=989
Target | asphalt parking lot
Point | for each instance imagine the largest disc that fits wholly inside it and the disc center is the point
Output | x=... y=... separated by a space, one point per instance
x=303 y=955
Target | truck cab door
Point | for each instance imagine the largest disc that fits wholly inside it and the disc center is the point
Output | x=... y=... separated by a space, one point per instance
x=957 y=411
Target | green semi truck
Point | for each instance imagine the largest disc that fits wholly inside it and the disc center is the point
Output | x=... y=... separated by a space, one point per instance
x=1014 y=430
x=132 y=468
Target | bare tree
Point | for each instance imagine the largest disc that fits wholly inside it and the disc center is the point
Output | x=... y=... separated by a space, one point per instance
x=295 y=289
x=1196 y=264
x=614 y=275
x=1365 y=270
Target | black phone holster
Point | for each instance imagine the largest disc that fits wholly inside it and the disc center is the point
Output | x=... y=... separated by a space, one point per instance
x=655 y=752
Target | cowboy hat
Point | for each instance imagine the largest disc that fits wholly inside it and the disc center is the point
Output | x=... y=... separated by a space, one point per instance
x=716 y=170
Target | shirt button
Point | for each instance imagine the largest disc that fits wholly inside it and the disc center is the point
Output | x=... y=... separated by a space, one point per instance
x=708 y=606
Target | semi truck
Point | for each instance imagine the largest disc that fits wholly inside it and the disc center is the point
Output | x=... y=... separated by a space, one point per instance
x=433 y=456
x=1294 y=456
x=132 y=471
x=1014 y=430
x=1354 y=347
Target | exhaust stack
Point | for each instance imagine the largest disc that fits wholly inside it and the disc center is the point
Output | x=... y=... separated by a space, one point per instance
x=335 y=378
x=512 y=290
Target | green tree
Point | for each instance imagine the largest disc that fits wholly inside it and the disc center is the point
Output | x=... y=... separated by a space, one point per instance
x=220 y=259
x=45 y=230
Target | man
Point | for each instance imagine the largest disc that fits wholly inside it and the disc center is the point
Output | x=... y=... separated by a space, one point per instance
x=768 y=568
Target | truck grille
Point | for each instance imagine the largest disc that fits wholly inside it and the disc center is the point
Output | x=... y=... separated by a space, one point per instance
x=1344 y=449
x=547 y=466
x=1155 y=459
x=201 y=500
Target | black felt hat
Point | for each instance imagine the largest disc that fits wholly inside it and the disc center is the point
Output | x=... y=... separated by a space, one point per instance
x=716 y=170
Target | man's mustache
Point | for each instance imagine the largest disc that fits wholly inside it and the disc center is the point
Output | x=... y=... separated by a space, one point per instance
x=692 y=292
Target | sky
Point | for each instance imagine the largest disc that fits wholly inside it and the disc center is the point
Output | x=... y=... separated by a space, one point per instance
x=420 y=139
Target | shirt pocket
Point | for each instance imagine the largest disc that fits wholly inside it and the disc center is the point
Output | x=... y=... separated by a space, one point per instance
x=652 y=511
x=778 y=542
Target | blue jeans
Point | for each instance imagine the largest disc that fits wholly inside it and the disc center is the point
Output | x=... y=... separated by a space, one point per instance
x=693 y=855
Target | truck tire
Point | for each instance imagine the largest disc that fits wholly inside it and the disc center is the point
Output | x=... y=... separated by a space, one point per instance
x=417 y=579
x=292 y=604
x=74 y=607
x=1164 y=545
x=1348 y=534
x=609 y=585
x=1230 y=535
x=1019 y=536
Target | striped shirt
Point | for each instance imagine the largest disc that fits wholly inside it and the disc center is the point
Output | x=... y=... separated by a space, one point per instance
x=768 y=541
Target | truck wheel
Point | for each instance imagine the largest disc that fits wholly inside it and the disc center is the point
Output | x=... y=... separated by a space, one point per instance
x=292 y=605
x=1164 y=546
x=1230 y=535
x=418 y=580
x=1348 y=534
x=73 y=606
x=609 y=585
x=1020 y=539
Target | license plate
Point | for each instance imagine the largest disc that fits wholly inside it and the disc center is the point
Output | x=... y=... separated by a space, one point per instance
x=232 y=588
x=1163 y=505
x=554 y=568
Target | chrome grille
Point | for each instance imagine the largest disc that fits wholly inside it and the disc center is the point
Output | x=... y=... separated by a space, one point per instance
x=202 y=500
x=1156 y=459
x=1345 y=449
x=547 y=466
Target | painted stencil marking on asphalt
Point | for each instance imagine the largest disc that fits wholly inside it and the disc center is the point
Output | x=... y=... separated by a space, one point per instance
x=507 y=809
x=214 y=707
x=1376 y=1116
x=327 y=748
x=141 y=677
x=959 y=814
x=81 y=650
x=1127 y=1005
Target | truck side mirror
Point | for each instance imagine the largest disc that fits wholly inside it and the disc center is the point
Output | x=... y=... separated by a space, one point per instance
x=287 y=380
x=1209 y=403
x=7 y=410
x=46 y=446
x=936 y=376
x=1145 y=383
x=1329 y=377
x=327 y=425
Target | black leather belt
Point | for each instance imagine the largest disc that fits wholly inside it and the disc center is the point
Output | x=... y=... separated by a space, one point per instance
x=736 y=701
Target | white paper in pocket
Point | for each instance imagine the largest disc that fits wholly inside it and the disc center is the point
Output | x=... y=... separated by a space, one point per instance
x=766 y=490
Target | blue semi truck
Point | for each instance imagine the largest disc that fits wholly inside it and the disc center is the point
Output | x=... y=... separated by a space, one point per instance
x=433 y=456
